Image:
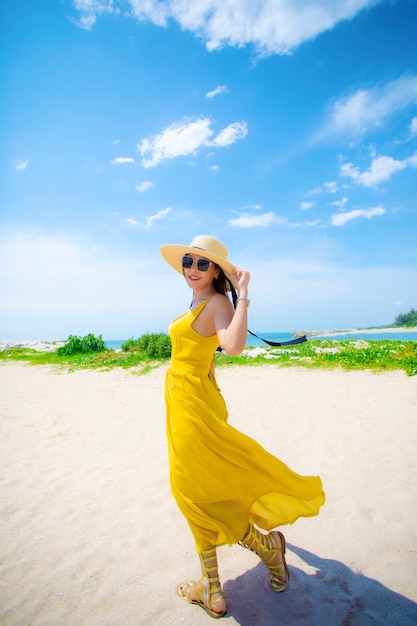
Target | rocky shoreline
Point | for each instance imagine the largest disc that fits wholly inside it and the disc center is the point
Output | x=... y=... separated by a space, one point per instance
x=354 y=331
x=39 y=346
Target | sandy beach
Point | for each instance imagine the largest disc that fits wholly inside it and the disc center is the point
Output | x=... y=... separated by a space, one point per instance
x=91 y=536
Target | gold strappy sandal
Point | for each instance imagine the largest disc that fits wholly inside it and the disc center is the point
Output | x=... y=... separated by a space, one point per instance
x=267 y=548
x=207 y=591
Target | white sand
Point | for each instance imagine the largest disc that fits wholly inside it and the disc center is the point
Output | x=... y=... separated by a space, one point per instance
x=90 y=535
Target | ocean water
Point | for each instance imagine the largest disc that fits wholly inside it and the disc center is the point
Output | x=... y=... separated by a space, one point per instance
x=253 y=342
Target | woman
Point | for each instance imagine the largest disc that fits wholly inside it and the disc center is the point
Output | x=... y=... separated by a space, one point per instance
x=223 y=481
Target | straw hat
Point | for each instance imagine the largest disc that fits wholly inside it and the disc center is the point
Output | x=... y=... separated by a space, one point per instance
x=202 y=245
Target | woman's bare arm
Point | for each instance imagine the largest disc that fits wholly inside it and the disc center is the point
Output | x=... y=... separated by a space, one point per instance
x=232 y=327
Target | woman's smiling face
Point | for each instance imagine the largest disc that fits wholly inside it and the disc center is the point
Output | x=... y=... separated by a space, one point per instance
x=197 y=278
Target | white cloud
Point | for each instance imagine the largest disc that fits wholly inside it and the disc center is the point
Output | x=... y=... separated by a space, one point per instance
x=340 y=219
x=156 y=11
x=305 y=206
x=178 y=139
x=382 y=168
x=215 y=92
x=185 y=138
x=340 y=203
x=158 y=216
x=21 y=165
x=271 y=26
x=120 y=160
x=147 y=184
x=247 y=220
x=413 y=126
x=306 y=223
x=230 y=134
x=328 y=187
x=412 y=160
x=131 y=221
x=91 y=9
x=366 y=109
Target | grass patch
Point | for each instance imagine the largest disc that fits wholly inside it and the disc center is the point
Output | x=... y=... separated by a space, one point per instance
x=374 y=355
x=96 y=361
x=352 y=354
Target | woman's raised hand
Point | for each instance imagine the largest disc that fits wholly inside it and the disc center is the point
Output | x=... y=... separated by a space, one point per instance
x=240 y=278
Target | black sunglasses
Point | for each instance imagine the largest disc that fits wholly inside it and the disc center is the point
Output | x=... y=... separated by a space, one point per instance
x=202 y=264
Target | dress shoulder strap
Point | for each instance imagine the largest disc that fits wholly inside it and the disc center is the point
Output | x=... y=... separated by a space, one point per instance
x=200 y=307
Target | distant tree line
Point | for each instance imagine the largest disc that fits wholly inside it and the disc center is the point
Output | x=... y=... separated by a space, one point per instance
x=406 y=319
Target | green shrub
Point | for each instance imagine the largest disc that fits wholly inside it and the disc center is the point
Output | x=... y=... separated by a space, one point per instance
x=406 y=319
x=151 y=346
x=129 y=345
x=82 y=345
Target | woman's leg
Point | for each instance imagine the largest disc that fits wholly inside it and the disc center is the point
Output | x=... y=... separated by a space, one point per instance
x=206 y=592
x=271 y=549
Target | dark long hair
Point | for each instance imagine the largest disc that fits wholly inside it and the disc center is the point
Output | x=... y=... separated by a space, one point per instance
x=222 y=285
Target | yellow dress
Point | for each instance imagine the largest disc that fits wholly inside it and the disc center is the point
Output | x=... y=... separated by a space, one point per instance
x=220 y=478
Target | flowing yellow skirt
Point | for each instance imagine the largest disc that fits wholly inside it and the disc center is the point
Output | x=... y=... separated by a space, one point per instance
x=220 y=478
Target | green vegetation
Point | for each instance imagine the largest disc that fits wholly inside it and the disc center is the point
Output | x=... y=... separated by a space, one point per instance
x=406 y=319
x=152 y=346
x=152 y=350
x=82 y=345
x=349 y=355
x=91 y=352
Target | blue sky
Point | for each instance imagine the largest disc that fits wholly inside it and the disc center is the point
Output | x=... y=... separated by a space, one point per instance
x=287 y=130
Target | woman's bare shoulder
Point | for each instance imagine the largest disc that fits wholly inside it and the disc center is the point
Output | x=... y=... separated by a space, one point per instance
x=219 y=300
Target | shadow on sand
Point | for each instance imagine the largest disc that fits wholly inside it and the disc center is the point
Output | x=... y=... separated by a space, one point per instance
x=333 y=595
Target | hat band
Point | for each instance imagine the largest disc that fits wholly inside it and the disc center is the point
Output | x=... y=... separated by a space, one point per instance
x=208 y=252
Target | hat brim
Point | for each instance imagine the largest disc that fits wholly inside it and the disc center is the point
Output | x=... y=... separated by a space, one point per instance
x=173 y=254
